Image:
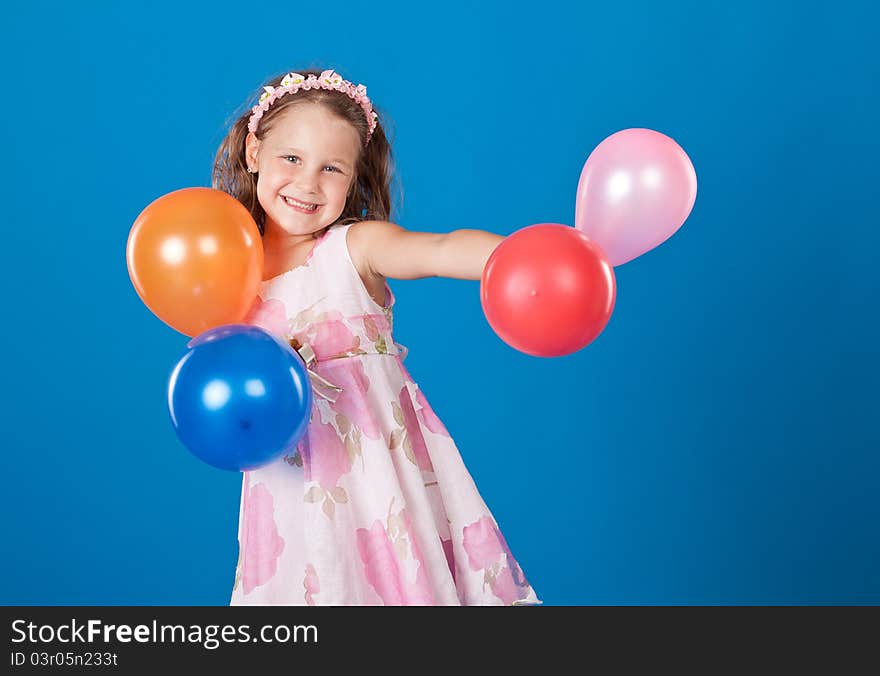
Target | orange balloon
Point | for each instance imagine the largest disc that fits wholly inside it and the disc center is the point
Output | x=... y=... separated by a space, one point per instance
x=195 y=257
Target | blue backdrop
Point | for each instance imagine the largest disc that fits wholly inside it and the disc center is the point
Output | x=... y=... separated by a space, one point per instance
x=716 y=444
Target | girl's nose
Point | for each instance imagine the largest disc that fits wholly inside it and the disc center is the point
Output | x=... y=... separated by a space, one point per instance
x=306 y=183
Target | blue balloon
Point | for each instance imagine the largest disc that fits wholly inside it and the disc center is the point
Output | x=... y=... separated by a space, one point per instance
x=239 y=397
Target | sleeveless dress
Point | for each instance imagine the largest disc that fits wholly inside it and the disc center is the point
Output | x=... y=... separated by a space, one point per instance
x=374 y=506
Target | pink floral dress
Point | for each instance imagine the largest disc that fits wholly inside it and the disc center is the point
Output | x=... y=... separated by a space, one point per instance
x=374 y=505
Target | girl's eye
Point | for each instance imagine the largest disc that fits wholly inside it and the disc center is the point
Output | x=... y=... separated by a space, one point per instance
x=291 y=156
x=296 y=158
x=331 y=167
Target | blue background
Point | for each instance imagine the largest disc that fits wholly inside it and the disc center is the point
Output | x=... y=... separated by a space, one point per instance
x=716 y=444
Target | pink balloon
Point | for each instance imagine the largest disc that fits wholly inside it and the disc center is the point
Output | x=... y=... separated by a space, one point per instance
x=636 y=189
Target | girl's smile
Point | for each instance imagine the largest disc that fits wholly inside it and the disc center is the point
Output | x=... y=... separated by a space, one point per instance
x=302 y=207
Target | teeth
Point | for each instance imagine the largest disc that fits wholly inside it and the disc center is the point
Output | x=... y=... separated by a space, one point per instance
x=301 y=205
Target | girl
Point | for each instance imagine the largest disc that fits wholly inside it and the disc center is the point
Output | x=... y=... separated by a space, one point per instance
x=375 y=505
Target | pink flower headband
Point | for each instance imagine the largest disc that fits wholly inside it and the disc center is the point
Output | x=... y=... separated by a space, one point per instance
x=293 y=82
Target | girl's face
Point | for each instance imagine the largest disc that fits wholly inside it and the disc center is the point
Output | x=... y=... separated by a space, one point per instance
x=306 y=166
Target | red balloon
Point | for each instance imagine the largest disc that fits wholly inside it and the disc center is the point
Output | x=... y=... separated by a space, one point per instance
x=548 y=290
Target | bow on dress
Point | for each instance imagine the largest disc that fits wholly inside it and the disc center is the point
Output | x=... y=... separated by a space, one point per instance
x=307 y=354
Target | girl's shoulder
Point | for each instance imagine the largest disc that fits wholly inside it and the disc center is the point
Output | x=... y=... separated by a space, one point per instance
x=362 y=238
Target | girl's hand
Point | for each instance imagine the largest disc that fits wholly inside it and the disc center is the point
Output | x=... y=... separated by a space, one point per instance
x=388 y=250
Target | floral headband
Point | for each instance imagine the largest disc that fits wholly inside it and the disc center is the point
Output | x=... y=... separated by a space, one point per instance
x=293 y=82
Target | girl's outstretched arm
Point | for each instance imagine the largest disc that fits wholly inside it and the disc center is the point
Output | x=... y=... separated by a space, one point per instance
x=391 y=251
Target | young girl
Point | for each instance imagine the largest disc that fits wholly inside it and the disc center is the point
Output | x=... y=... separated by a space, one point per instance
x=375 y=505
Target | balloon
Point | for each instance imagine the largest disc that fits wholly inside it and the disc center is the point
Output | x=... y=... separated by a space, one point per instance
x=547 y=290
x=239 y=397
x=195 y=257
x=636 y=189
